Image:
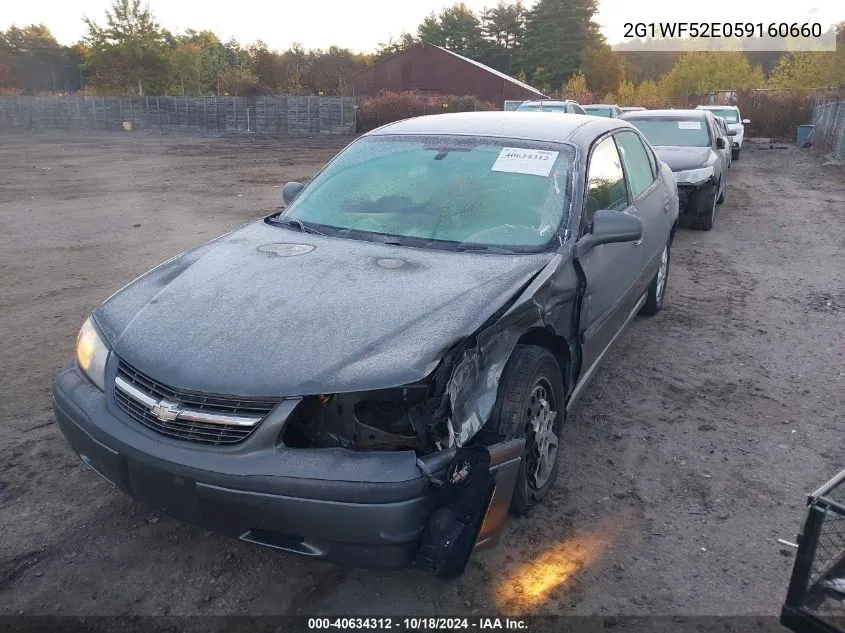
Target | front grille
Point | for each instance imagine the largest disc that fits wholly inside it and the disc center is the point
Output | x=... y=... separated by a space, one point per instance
x=192 y=430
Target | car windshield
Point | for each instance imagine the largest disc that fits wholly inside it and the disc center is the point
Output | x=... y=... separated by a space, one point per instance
x=684 y=132
x=546 y=107
x=599 y=111
x=729 y=114
x=440 y=191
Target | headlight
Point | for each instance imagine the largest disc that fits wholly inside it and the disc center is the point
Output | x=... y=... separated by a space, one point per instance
x=693 y=176
x=91 y=354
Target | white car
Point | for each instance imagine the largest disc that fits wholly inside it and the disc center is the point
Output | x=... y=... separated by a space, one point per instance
x=734 y=121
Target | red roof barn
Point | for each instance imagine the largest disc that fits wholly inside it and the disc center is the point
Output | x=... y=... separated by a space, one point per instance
x=431 y=70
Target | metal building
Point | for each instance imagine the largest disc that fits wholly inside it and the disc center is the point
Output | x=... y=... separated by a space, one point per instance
x=431 y=70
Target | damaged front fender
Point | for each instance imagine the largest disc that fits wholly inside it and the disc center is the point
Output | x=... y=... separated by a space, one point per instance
x=547 y=303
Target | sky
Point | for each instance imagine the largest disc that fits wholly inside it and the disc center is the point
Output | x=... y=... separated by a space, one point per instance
x=362 y=25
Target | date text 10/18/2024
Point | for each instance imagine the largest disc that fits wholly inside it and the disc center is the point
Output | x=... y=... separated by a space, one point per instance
x=418 y=624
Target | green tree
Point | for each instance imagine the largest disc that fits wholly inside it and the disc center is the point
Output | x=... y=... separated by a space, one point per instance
x=35 y=61
x=699 y=72
x=602 y=68
x=557 y=34
x=129 y=54
x=457 y=29
x=391 y=47
x=503 y=27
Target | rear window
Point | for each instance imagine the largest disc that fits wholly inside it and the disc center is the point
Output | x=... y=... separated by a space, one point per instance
x=536 y=107
x=729 y=114
x=596 y=111
x=677 y=131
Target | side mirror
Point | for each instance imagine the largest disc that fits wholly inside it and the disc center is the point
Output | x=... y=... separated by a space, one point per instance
x=746 y=121
x=720 y=143
x=291 y=190
x=732 y=132
x=610 y=227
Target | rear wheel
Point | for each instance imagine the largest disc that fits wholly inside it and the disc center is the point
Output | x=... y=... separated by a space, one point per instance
x=530 y=405
x=657 y=289
x=735 y=153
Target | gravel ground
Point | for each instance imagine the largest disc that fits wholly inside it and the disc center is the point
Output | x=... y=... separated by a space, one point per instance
x=687 y=459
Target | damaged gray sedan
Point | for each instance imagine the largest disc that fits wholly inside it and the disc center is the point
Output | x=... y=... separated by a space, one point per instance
x=378 y=373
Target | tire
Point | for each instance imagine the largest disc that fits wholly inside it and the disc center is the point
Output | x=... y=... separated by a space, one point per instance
x=702 y=219
x=735 y=153
x=657 y=287
x=530 y=372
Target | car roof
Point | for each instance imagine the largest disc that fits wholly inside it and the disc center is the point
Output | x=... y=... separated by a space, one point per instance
x=654 y=114
x=716 y=107
x=538 y=126
x=599 y=105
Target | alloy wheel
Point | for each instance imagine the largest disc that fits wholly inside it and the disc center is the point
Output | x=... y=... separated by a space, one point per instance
x=542 y=441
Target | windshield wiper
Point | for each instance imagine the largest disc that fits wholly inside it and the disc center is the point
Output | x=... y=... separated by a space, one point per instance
x=299 y=225
x=483 y=248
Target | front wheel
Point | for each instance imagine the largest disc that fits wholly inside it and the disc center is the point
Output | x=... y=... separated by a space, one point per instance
x=735 y=153
x=530 y=404
x=657 y=289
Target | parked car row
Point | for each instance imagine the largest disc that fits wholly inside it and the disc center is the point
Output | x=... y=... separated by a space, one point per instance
x=699 y=145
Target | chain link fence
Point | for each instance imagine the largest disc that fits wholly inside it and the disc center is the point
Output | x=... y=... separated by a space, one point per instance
x=270 y=116
x=829 y=133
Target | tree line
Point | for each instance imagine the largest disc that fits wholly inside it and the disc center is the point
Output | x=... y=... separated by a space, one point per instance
x=555 y=45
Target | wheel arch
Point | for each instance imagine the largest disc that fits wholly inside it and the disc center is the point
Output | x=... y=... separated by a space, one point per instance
x=556 y=345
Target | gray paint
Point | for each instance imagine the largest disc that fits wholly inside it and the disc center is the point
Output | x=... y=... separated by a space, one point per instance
x=234 y=317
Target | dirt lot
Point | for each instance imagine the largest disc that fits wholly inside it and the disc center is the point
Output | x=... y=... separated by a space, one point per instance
x=686 y=461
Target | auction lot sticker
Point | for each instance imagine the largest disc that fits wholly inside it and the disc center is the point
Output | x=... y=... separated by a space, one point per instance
x=689 y=125
x=536 y=162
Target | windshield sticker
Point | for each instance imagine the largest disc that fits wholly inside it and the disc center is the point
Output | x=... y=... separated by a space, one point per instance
x=689 y=125
x=535 y=162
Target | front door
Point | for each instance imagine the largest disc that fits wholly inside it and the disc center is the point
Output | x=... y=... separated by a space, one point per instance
x=612 y=271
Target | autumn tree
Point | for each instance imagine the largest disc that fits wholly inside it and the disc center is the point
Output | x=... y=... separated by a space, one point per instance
x=626 y=93
x=700 y=72
x=603 y=69
x=647 y=95
x=811 y=69
x=129 y=54
x=557 y=34
x=576 y=88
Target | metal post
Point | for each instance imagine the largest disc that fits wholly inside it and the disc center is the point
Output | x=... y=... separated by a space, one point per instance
x=309 y=114
x=121 y=111
x=342 y=128
x=205 y=112
x=158 y=114
x=94 y=111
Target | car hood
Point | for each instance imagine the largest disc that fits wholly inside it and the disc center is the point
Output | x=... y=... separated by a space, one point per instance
x=683 y=158
x=267 y=311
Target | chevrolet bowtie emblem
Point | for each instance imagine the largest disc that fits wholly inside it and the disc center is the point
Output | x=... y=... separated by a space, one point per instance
x=166 y=411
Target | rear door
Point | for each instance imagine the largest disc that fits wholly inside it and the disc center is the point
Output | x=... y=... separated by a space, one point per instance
x=650 y=197
x=612 y=271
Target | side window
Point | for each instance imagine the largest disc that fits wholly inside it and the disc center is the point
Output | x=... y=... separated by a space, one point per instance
x=636 y=161
x=605 y=180
x=577 y=109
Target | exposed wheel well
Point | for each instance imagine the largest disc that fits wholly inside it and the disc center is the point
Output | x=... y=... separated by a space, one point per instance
x=672 y=232
x=557 y=345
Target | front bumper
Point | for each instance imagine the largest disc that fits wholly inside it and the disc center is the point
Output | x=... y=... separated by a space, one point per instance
x=358 y=508
x=695 y=199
